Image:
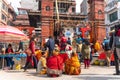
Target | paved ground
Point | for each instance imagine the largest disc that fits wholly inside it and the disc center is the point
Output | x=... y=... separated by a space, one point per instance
x=93 y=73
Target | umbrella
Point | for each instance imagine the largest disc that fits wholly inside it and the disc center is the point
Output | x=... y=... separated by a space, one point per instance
x=11 y=34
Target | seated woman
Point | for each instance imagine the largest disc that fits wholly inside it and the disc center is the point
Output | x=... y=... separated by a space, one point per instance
x=38 y=54
x=9 y=60
x=54 y=64
x=72 y=65
x=41 y=66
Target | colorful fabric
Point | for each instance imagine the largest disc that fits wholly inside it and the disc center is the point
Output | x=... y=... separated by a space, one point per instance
x=63 y=40
x=64 y=56
x=87 y=63
x=118 y=33
x=55 y=62
x=55 y=65
x=38 y=54
x=54 y=71
x=97 y=46
x=9 y=50
x=32 y=47
x=79 y=48
x=72 y=66
x=41 y=66
x=112 y=57
x=78 y=40
x=85 y=51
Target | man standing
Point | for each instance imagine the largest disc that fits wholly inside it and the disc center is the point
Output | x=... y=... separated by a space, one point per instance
x=107 y=50
x=114 y=45
x=50 y=44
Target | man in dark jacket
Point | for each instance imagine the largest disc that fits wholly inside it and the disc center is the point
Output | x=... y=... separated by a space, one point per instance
x=50 y=44
x=113 y=47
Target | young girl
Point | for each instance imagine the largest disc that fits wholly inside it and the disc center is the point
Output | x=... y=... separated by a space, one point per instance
x=86 y=53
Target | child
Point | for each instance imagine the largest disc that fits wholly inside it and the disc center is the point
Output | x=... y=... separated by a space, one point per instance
x=41 y=67
x=86 y=53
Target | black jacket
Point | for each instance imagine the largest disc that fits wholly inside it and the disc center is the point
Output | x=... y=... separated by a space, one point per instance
x=111 y=40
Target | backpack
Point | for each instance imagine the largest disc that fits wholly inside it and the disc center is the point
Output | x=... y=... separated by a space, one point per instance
x=106 y=46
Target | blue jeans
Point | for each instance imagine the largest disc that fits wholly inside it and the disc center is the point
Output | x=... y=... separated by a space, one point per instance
x=9 y=61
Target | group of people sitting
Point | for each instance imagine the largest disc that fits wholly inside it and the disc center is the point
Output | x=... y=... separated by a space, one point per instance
x=58 y=63
x=51 y=61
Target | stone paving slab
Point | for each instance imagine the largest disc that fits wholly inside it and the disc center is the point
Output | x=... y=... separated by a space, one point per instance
x=93 y=73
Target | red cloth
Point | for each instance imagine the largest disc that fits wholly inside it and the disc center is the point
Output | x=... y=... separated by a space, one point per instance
x=112 y=57
x=32 y=47
x=64 y=56
x=118 y=32
x=55 y=62
x=102 y=55
x=29 y=59
x=63 y=39
x=83 y=30
x=70 y=48
x=9 y=50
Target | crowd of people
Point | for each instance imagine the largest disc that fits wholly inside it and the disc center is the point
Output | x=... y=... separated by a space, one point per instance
x=60 y=55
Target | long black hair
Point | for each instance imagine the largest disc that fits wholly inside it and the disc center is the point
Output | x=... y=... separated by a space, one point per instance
x=32 y=39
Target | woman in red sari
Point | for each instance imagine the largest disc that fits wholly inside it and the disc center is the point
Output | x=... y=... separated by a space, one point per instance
x=55 y=64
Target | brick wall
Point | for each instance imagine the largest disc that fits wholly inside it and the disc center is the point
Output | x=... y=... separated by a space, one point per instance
x=46 y=3
x=98 y=31
x=47 y=27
